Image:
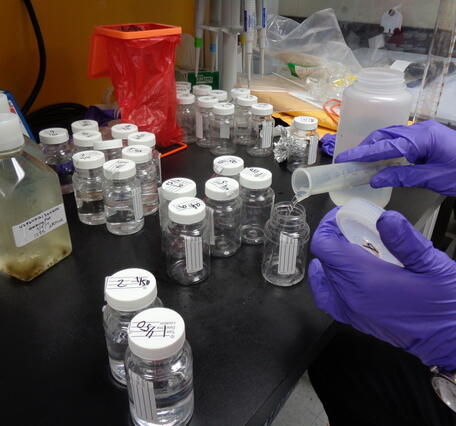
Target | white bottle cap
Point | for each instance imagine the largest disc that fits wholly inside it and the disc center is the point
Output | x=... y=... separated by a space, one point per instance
x=201 y=89
x=109 y=144
x=255 y=178
x=186 y=210
x=206 y=101
x=221 y=95
x=305 y=123
x=238 y=91
x=262 y=109
x=54 y=136
x=130 y=290
x=221 y=189
x=182 y=91
x=228 y=165
x=88 y=160
x=223 y=109
x=246 y=100
x=86 y=138
x=119 y=169
x=121 y=131
x=185 y=98
x=156 y=334
x=142 y=138
x=178 y=187
x=81 y=125
x=11 y=137
x=4 y=104
x=184 y=84
x=137 y=153
x=357 y=220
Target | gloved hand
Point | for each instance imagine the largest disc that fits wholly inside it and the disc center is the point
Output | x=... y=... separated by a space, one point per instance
x=429 y=145
x=413 y=307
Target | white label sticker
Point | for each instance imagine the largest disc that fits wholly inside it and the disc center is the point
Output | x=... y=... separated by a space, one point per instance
x=210 y=222
x=158 y=165
x=120 y=283
x=224 y=132
x=39 y=225
x=199 y=125
x=142 y=393
x=137 y=204
x=175 y=185
x=193 y=254
x=288 y=251
x=313 y=146
x=266 y=134
x=152 y=330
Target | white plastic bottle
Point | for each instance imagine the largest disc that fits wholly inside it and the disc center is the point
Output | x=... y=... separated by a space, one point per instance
x=122 y=131
x=148 y=139
x=377 y=99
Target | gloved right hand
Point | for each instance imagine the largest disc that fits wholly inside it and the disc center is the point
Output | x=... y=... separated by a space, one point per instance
x=429 y=145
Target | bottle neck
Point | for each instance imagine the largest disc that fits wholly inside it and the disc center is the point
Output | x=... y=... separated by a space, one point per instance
x=12 y=153
x=379 y=80
x=288 y=219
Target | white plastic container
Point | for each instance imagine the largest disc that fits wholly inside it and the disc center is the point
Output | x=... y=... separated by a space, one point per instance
x=122 y=131
x=377 y=99
x=84 y=125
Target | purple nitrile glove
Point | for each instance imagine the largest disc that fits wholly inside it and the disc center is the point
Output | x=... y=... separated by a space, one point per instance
x=429 y=145
x=413 y=307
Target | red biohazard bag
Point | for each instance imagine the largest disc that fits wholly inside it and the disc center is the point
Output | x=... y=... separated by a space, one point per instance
x=139 y=58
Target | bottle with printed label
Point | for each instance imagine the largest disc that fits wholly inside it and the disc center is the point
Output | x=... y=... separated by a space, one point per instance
x=187 y=241
x=122 y=131
x=229 y=166
x=203 y=117
x=88 y=182
x=146 y=173
x=238 y=91
x=57 y=155
x=286 y=235
x=185 y=116
x=257 y=200
x=127 y=293
x=243 y=118
x=303 y=143
x=224 y=216
x=201 y=90
x=112 y=148
x=84 y=126
x=33 y=227
x=159 y=366
x=222 y=129
x=122 y=195
x=262 y=129
x=84 y=140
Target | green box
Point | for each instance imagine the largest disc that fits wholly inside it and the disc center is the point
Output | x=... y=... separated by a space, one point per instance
x=204 y=77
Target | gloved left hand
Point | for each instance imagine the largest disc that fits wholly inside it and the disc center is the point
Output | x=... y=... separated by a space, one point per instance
x=413 y=307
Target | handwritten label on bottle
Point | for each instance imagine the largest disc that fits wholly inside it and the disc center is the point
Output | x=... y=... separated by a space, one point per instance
x=152 y=330
x=193 y=254
x=143 y=395
x=120 y=283
x=175 y=185
x=313 y=146
x=224 y=132
x=199 y=125
x=288 y=252
x=266 y=134
x=39 y=225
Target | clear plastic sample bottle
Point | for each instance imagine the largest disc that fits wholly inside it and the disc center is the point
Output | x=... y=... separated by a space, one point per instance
x=242 y=118
x=146 y=173
x=57 y=155
x=224 y=216
x=203 y=116
x=187 y=241
x=221 y=95
x=159 y=366
x=185 y=116
x=84 y=140
x=286 y=235
x=88 y=182
x=33 y=229
x=112 y=148
x=228 y=166
x=303 y=143
x=222 y=129
x=122 y=131
x=201 y=90
x=238 y=91
x=184 y=85
x=127 y=293
x=84 y=126
x=257 y=200
x=262 y=128
x=122 y=196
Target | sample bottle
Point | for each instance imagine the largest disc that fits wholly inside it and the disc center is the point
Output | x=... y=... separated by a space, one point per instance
x=183 y=85
x=187 y=241
x=228 y=166
x=221 y=95
x=159 y=366
x=242 y=118
x=146 y=173
x=33 y=226
x=286 y=235
x=378 y=98
x=112 y=148
x=201 y=90
x=57 y=155
x=238 y=91
x=185 y=116
x=88 y=182
x=84 y=140
x=182 y=91
x=148 y=139
x=127 y=293
x=224 y=216
x=303 y=143
x=84 y=126
x=257 y=200
x=203 y=116
x=122 y=195
x=222 y=129
x=262 y=127
x=122 y=131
